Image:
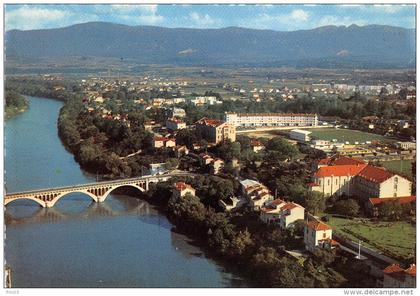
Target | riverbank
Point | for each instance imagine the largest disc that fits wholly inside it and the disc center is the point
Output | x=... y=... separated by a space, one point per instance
x=11 y=112
x=121 y=242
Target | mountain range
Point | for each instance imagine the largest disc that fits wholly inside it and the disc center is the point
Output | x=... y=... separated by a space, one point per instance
x=350 y=46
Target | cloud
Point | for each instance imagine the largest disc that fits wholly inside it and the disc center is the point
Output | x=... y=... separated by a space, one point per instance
x=329 y=20
x=295 y=19
x=203 y=20
x=299 y=15
x=26 y=17
x=127 y=8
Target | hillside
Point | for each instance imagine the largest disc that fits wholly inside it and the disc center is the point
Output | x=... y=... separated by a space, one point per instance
x=371 y=45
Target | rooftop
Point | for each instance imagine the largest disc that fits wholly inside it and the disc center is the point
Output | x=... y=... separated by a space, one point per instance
x=317 y=225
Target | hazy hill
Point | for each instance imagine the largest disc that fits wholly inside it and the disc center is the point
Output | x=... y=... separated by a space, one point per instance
x=370 y=45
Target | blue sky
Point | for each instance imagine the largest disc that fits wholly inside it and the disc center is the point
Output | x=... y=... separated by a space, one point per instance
x=275 y=17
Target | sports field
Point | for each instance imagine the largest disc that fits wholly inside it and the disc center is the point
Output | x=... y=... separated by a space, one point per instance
x=392 y=238
x=403 y=166
x=343 y=135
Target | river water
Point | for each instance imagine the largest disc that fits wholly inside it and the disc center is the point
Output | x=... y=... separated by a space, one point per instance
x=122 y=242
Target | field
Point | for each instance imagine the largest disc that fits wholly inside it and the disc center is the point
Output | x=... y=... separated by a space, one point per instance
x=396 y=165
x=343 y=135
x=395 y=239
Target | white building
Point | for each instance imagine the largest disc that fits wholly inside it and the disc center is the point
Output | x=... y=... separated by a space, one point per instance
x=270 y=119
x=318 y=235
x=406 y=145
x=175 y=124
x=300 y=135
x=354 y=177
x=256 y=193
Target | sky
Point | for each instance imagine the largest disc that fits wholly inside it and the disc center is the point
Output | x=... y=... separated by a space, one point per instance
x=275 y=17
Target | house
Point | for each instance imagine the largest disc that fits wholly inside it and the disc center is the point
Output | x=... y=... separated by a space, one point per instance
x=205 y=159
x=216 y=166
x=256 y=193
x=281 y=212
x=256 y=145
x=159 y=142
x=290 y=213
x=318 y=235
x=177 y=112
x=397 y=277
x=181 y=189
x=232 y=203
x=373 y=203
x=181 y=151
x=174 y=124
x=215 y=131
x=270 y=212
x=349 y=176
x=157 y=169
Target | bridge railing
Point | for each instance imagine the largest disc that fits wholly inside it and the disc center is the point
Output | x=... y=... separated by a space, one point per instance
x=110 y=182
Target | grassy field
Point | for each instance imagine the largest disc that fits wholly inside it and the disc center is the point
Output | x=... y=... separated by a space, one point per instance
x=397 y=238
x=396 y=165
x=343 y=135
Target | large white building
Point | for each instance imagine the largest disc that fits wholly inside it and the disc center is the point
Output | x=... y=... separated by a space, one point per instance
x=270 y=119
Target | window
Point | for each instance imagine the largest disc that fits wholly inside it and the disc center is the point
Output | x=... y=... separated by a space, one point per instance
x=396 y=180
x=336 y=181
x=324 y=235
x=395 y=187
x=328 y=183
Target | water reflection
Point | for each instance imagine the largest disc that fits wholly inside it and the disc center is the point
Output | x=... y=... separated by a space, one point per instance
x=23 y=213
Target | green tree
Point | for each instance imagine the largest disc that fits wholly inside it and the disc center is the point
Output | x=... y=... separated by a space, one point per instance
x=348 y=207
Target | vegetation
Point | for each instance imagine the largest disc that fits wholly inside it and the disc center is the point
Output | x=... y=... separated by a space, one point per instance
x=396 y=239
x=399 y=166
x=15 y=103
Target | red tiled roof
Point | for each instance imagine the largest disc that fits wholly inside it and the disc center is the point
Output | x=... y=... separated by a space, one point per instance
x=340 y=170
x=375 y=174
x=393 y=268
x=255 y=143
x=277 y=202
x=289 y=206
x=182 y=186
x=411 y=270
x=209 y=121
x=160 y=139
x=404 y=199
x=317 y=225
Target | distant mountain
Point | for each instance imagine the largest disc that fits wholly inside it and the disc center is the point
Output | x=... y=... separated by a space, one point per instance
x=324 y=46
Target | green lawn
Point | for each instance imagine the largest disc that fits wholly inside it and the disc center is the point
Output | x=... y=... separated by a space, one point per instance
x=396 y=165
x=343 y=135
x=396 y=238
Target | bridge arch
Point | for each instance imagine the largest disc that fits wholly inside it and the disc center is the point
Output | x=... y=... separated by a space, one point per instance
x=106 y=194
x=38 y=201
x=56 y=199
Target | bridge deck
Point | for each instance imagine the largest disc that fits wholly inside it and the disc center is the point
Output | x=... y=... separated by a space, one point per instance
x=102 y=183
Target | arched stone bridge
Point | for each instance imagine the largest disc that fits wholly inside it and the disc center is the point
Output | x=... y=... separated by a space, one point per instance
x=97 y=191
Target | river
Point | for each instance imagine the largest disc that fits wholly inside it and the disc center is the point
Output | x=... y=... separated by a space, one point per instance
x=122 y=242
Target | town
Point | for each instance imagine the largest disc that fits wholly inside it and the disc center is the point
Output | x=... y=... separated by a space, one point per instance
x=294 y=174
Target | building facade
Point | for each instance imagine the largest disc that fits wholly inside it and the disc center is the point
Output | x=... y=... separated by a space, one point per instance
x=216 y=131
x=317 y=235
x=270 y=119
x=355 y=177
